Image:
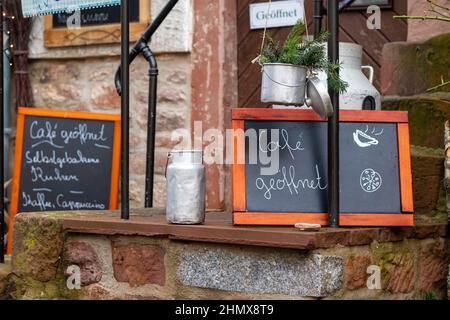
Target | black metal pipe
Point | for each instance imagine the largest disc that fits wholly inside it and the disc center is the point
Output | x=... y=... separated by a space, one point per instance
x=333 y=122
x=145 y=38
x=141 y=47
x=317 y=16
x=125 y=109
x=2 y=182
x=151 y=124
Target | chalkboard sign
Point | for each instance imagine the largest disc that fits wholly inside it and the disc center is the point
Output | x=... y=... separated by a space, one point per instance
x=65 y=161
x=283 y=178
x=98 y=16
x=97 y=26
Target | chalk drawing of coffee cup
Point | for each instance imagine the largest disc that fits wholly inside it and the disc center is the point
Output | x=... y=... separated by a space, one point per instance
x=367 y=139
x=370 y=180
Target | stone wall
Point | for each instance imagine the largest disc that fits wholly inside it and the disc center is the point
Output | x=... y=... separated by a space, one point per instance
x=87 y=85
x=408 y=71
x=413 y=265
x=82 y=79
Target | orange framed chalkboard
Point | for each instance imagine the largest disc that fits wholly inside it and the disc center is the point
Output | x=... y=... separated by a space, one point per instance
x=65 y=160
x=374 y=144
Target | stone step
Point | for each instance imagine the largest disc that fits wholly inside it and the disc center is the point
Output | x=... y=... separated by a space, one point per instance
x=428 y=174
x=5 y=272
x=427 y=116
x=410 y=68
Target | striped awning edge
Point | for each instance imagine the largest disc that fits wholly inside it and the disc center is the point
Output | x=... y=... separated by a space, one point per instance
x=32 y=8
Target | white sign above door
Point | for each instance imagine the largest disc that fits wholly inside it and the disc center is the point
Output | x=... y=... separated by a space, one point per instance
x=276 y=14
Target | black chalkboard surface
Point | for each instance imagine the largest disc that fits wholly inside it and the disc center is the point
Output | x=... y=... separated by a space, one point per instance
x=286 y=170
x=301 y=179
x=98 y=16
x=65 y=161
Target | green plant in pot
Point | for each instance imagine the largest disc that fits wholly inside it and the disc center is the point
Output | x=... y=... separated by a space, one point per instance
x=286 y=67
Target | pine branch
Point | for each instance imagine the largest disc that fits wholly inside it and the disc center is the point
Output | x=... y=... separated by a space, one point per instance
x=303 y=52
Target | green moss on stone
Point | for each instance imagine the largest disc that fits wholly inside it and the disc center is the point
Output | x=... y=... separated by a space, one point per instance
x=37 y=245
x=427 y=117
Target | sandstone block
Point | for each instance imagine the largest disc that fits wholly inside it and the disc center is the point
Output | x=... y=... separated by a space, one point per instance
x=356 y=271
x=104 y=96
x=427 y=116
x=37 y=245
x=433 y=266
x=84 y=256
x=428 y=173
x=138 y=264
x=411 y=68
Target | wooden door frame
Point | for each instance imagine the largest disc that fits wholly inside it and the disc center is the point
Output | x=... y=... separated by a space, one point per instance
x=214 y=84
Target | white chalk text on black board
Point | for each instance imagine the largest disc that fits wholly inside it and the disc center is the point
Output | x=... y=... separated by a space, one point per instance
x=97 y=16
x=66 y=164
x=369 y=168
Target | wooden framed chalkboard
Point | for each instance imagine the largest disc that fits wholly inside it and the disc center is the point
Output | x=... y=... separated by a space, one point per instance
x=279 y=172
x=64 y=161
x=98 y=25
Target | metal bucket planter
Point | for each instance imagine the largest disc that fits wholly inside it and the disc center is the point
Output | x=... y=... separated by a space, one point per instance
x=283 y=83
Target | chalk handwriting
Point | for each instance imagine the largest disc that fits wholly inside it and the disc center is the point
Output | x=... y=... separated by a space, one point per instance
x=83 y=135
x=38 y=202
x=77 y=205
x=38 y=175
x=284 y=144
x=289 y=181
x=39 y=157
x=45 y=135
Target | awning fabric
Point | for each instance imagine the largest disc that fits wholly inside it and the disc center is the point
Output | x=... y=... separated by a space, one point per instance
x=42 y=7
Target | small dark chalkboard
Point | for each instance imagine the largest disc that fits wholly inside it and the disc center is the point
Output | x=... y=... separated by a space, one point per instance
x=284 y=177
x=65 y=161
x=98 y=16
x=96 y=26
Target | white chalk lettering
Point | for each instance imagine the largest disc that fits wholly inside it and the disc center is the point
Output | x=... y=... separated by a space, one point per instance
x=83 y=135
x=37 y=174
x=274 y=146
x=77 y=205
x=39 y=157
x=38 y=202
x=46 y=134
x=290 y=182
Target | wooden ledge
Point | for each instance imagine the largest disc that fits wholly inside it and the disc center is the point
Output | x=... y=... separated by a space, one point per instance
x=218 y=228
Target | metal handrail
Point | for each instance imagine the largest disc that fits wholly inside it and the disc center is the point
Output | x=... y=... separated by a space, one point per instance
x=141 y=46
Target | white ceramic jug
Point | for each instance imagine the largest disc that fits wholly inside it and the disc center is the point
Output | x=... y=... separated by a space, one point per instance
x=361 y=93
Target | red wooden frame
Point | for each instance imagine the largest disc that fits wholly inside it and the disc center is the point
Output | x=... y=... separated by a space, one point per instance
x=115 y=170
x=242 y=217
